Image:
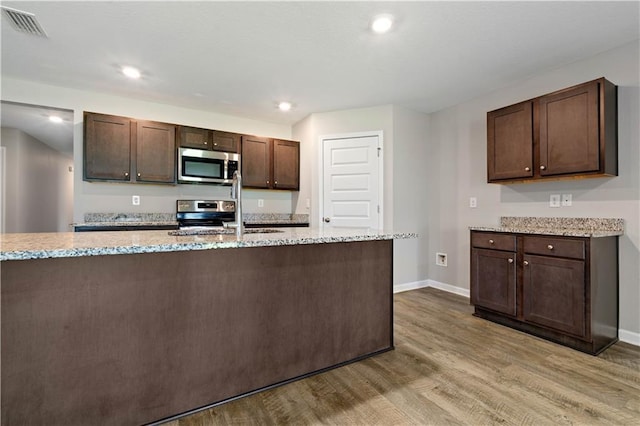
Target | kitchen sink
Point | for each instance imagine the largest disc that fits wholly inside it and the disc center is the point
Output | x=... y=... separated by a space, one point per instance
x=219 y=231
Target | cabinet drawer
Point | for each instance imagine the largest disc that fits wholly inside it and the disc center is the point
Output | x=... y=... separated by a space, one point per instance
x=558 y=247
x=493 y=241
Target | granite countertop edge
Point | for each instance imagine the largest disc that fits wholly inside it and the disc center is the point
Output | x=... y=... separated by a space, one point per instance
x=187 y=245
x=589 y=233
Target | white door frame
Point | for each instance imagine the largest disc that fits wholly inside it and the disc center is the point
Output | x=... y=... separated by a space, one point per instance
x=320 y=166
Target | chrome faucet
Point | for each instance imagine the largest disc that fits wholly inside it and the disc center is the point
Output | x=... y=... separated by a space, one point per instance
x=236 y=194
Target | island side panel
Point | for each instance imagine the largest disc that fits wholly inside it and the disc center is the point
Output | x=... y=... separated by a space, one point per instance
x=130 y=339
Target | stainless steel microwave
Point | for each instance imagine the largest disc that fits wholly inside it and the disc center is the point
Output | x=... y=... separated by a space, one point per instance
x=212 y=167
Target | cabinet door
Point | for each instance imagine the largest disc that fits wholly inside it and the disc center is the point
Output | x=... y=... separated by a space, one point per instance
x=225 y=141
x=569 y=131
x=286 y=164
x=107 y=153
x=553 y=291
x=156 y=152
x=256 y=162
x=493 y=280
x=193 y=137
x=510 y=142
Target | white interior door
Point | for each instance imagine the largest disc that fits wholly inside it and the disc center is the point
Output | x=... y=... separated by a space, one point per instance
x=351 y=181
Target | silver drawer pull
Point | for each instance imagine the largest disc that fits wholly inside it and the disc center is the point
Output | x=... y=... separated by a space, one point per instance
x=543 y=168
x=526 y=263
x=527 y=169
x=510 y=260
x=491 y=241
x=550 y=247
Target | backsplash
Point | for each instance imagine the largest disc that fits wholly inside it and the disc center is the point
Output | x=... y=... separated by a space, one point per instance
x=266 y=218
x=129 y=217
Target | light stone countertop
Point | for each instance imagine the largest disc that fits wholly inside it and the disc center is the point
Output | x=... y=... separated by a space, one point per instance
x=77 y=244
x=560 y=226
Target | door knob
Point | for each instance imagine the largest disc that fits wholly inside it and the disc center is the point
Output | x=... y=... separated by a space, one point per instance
x=327 y=219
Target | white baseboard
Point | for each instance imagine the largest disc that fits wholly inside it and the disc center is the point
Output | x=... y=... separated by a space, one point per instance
x=625 y=336
x=410 y=286
x=431 y=283
x=629 y=337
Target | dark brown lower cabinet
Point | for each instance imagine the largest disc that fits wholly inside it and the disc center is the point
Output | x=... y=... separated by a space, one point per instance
x=564 y=289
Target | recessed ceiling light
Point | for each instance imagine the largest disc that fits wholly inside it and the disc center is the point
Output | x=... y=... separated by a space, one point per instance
x=131 y=72
x=382 y=24
x=284 y=106
x=55 y=119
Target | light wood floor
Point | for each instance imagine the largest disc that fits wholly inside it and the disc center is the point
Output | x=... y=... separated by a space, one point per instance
x=452 y=368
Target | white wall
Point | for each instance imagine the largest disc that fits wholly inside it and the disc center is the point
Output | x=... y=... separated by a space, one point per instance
x=39 y=185
x=458 y=164
x=116 y=197
x=404 y=147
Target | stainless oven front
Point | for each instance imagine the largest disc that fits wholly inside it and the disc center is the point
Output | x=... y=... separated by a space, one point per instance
x=211 y=167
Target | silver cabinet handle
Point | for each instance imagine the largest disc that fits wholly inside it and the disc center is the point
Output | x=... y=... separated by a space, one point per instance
x=510 y=260
x=327 y=219
x=542 y=167
x=491 y=241
x=139 y=175
x=205 y=143
x=550 y=247
x=527 y=169
x=526 y=263
x=126 y=174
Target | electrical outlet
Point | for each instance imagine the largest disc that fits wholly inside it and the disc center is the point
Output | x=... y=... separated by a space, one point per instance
x=473 y=202
x=554 y=200
x=567 y=200
x=260 y=202
x=135 y=200
x=441 y=259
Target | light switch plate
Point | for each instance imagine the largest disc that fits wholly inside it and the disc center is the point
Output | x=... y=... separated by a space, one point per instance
x=135 y=200
x=260 y=202
x=473 y=202
x=554 y=200
x=567 y=200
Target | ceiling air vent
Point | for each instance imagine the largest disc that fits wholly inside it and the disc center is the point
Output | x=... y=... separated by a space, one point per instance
x=24 y=22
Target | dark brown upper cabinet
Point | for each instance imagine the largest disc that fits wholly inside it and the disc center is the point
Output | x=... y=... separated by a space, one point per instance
x=270 y=163
x=194 y=137
x=107 y=147
x=225 y=141
x=155 y=152
x=286 y=164
x=565 y=134
x=127 y=150
x=510 y=150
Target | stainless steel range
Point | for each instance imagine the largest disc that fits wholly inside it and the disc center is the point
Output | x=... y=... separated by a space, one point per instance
x=204 y=212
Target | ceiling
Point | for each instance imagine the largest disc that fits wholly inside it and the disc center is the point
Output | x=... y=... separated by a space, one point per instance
x=241 y=58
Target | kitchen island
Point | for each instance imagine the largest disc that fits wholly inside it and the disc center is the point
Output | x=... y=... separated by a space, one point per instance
x=136 y=327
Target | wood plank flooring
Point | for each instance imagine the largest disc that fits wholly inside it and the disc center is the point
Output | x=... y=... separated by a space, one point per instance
x=452 y=368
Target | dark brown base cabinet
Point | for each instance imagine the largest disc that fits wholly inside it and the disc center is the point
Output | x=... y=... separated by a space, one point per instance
x=564 y=289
